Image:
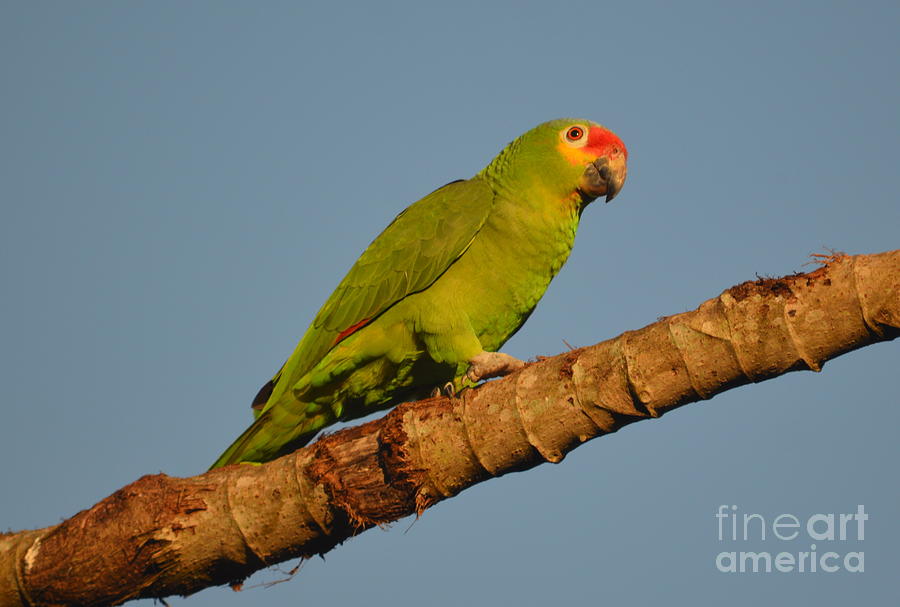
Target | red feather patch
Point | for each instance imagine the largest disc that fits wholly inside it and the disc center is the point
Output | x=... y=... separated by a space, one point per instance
x=350 y=330
x=602 y=141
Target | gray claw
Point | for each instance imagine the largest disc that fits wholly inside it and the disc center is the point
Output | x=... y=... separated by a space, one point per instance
x=492 y=364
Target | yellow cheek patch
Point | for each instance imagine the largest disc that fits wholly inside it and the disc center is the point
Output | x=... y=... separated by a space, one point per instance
x=575 y=156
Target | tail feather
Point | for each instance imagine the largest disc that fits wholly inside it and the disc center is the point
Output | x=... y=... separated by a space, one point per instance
x=266 y=439
x=233 y=454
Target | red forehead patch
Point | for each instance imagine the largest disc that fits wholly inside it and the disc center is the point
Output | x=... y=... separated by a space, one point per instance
x=602 y=141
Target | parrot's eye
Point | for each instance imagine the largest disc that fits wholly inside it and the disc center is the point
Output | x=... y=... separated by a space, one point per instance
x=574 y=136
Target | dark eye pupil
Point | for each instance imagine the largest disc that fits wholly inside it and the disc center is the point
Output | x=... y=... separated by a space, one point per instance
x=575 y=133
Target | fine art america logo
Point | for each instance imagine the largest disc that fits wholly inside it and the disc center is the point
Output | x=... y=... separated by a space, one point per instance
x=824 y=540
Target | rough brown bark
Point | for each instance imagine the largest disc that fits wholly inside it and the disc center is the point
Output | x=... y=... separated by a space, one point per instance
x=161 y=536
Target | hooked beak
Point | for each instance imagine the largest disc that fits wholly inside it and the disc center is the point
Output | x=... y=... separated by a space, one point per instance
x=604 y=176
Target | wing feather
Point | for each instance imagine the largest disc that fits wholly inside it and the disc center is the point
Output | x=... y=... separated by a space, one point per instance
x=408 y=256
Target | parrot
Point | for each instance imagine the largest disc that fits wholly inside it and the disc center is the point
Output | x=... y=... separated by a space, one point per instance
x=427 y=306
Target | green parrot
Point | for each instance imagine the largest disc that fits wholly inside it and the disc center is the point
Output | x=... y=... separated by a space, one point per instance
x=440 y=290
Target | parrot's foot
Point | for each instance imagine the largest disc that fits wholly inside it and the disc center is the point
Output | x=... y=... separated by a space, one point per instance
x=492 y=364
x=446 y=390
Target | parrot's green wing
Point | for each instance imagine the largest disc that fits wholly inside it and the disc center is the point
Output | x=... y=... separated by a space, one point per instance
x=408 y=256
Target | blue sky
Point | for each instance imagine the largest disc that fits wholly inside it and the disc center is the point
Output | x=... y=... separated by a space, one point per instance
x=183 y=183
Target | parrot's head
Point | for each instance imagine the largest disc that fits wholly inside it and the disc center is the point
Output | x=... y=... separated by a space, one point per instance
x=573 y=158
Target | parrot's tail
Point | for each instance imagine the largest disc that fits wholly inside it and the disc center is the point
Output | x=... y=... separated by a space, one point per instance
x=257 y=444
x=233 y=454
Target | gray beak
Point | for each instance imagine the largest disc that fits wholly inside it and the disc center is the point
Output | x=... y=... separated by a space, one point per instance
x=604 y=176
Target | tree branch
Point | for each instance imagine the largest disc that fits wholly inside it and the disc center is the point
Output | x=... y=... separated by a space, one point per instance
x=161 y=535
